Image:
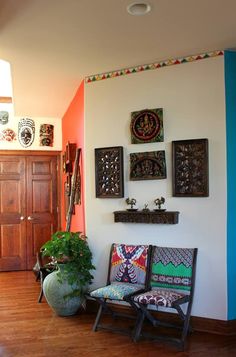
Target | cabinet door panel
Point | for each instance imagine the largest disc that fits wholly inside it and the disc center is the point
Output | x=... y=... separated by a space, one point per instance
x=28 y=207
x=40 y=231
x=12 y=213
x=41 y=203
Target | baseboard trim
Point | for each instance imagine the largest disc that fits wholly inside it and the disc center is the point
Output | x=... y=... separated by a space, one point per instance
x=201 y=324
x=221 y=327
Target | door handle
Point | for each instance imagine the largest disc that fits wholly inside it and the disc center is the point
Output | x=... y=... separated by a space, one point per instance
x=22 y=218
x=30 y=218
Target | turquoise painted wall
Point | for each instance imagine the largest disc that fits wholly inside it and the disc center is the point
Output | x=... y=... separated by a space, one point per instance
x=230 y=96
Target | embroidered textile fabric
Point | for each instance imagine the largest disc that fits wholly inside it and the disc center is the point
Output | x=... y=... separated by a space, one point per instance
x=172 y=268
x=116 y=291
x=129 y=263
x=158 y=297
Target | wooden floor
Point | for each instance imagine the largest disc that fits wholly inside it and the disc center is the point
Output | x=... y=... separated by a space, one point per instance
x=30 y=329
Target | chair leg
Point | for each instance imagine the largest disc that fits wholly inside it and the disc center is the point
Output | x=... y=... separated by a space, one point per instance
x=185 y=329
x=40 y=295
x=41 y=283
x=138 y=326
x=97 y=318
x=37 y=276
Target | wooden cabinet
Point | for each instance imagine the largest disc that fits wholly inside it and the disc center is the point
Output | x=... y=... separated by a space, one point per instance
x=28 y=206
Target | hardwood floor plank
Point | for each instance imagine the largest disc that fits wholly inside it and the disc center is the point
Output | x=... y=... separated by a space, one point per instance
x=30 y=329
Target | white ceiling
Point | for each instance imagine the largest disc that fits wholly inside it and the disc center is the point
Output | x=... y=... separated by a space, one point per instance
x=53 y=44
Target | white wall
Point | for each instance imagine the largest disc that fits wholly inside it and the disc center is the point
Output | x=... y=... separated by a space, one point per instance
x=5 y=76
x=192 y=97
x=6 y=91
x=13 y=125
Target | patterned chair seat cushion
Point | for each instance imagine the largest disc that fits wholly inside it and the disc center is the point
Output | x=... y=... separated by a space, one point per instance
x=159 y=297
x=116 y=291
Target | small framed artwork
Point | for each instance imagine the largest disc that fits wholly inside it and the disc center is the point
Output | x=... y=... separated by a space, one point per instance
x=67 y=198
x=109 y=172
x=190 y=168
x=70 y=152
x=64 y=162
x=148 y=165
x=147 y=126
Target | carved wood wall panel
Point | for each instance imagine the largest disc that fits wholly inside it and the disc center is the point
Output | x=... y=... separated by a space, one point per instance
x=190 y=168
x=109 y=172
x=149 y=165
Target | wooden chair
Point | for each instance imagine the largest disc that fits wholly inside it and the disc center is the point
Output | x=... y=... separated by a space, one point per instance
x=171 y=286
x=45 y=267
x=127 y=275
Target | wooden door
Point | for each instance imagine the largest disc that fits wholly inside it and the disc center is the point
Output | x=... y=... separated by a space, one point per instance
x=12 y=213
x=28 y=208
x=41 y=203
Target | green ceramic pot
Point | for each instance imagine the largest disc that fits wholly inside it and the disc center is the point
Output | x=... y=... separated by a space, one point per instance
x=56 y=293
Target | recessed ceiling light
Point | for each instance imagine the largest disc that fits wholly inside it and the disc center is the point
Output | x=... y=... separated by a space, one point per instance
x=138 y=8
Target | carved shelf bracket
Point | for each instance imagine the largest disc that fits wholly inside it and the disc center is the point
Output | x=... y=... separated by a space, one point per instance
x=166 y=217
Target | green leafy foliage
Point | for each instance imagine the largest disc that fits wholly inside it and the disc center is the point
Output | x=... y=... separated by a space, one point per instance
x=72 y=258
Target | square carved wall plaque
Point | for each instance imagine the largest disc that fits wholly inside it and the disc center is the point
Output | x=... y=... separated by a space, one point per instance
x=147 y=126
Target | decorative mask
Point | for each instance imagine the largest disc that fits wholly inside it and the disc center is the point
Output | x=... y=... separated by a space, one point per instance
x=4 y=116
x=7 y=135
x=46 y=134
x=26 y=132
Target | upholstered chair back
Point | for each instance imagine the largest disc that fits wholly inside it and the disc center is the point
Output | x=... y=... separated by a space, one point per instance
x=128 y=263
x=172 y=268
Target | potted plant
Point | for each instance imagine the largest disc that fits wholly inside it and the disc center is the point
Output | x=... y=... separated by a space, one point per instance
x=65 y=287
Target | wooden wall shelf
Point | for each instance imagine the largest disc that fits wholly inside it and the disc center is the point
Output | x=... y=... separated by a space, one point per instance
x=162 y=217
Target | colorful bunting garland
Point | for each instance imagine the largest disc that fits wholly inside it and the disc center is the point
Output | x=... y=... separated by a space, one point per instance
x=146 y=67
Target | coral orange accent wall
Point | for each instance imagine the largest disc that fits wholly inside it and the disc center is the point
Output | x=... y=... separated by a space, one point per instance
x=73 y=131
